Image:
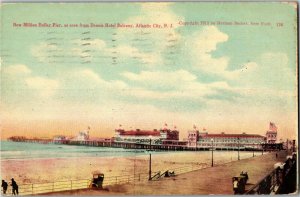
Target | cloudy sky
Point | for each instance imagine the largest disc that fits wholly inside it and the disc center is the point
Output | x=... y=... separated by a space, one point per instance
x=225 y=78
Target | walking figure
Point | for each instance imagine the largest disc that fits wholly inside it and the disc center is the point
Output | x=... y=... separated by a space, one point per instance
x=15 y=189
x=276 y=155
x=235 y=185
x=4 y=185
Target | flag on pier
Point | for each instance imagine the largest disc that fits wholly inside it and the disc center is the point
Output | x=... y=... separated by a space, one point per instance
x=272 y=127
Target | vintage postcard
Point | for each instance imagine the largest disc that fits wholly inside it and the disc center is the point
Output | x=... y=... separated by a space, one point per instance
x=140 y=98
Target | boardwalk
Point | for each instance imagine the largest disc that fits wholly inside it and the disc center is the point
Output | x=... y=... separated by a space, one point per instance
x=216 y=180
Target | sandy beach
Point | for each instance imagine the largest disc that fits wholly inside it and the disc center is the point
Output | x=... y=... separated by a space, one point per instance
x=47 y=170
x=211 y=180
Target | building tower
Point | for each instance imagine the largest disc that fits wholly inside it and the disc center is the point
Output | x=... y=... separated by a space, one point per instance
x=193 y=137
x=271 y=134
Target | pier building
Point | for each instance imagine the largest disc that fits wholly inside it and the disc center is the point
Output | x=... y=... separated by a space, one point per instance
x=230 y=141
x=59 y=138
x=168 y=139
x=193 y=137
x=144 y=136
x=204 y=139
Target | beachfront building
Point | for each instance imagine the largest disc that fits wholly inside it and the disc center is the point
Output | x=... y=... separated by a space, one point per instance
x=230 y=141
x=143 y=136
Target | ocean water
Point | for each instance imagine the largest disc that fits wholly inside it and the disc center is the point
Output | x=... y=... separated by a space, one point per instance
x=22 y=150
x=27 y=161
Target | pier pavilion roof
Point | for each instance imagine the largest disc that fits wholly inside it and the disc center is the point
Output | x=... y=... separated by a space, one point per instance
x=232 y=135
x=140 y=132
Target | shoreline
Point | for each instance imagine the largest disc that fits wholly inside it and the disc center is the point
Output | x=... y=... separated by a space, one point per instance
x=125 y=156
x=91 y=152
x=32 y=171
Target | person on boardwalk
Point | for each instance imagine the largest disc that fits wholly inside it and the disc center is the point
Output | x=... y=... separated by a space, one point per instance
x=15 y=189
x=235 y=185
x=4 y=185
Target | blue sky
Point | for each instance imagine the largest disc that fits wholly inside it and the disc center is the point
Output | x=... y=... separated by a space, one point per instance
x=232 y=78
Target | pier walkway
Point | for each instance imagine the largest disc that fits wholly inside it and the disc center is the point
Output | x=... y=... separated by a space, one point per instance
x=211 y=180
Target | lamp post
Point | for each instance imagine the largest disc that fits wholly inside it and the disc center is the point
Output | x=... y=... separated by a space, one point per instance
x=212 y=152
x=150 y=165
x=238 y=148
x=253 y=149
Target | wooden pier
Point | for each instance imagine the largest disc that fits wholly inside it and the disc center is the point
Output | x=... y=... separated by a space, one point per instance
x=110 y=143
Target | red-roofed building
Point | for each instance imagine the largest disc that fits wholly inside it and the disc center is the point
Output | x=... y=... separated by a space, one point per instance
x=226 y=141
x=144 y=136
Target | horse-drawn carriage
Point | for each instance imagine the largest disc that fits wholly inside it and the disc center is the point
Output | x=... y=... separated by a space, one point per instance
x=97 y=180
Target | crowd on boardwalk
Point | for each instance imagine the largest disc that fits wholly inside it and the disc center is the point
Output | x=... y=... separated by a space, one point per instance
x=14 y=185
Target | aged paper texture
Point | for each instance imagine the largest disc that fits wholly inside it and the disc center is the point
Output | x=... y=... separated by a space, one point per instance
x=136 y=98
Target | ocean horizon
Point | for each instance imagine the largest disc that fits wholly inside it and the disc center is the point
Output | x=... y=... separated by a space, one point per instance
x=26 y=150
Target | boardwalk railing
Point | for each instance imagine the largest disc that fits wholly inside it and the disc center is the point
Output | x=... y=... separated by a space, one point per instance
x=273 y=181
x=40 y=188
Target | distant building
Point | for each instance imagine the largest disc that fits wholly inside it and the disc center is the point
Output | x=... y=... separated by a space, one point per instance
x=59 y=138
x=222 y=140
x=271 y=134
x=17 y=138
x=229 y=141
x=169 y=134
x=290 y=145
x=144 y=136
x=81 y=136
x=193 y=137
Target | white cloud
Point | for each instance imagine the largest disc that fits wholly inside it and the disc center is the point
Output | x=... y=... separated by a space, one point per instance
x=97 y=43
x=88 y=74
x=161 y=76
x=16 y=69
x=276 y=67
x=98 y=46
x=128 y=51
x=156 y=13
x=271 y=71
x=42 y=51
x=94 y=44
x=208 y=38
x=202 y=44
x=156 y=85
x=88 y=78
x=176 y=84
x=45 y=86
